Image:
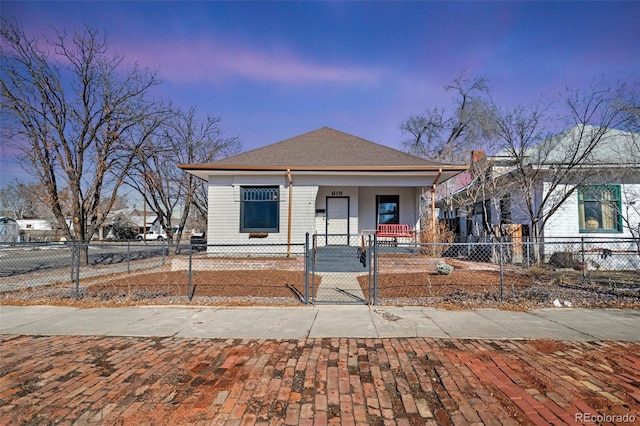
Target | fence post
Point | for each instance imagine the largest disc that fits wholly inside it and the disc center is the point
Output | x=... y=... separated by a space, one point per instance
x=375 y=269
x=72 y=276
x=501 y=272
x=189 y=291
x=528 y=253
x=369 y=270
x=129 y=256
x=314 y=242
x=77 y=277
x=584 y=262
x=163 y=249
x=306 y=268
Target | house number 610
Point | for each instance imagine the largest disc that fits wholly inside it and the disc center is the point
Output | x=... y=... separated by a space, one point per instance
x=336 y=193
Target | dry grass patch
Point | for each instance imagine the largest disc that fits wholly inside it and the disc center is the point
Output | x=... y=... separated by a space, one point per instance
x=428 y=284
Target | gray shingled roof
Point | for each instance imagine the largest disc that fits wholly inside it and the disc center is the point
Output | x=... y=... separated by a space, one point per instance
x=613 y=147
x=325 y=147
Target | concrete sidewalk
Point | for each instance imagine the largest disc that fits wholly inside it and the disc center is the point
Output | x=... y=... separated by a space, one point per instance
x=259 y=322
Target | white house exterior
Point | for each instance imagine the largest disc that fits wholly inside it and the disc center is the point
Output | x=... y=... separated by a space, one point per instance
x=604 y=205
x=321 y=182
x=34 y=225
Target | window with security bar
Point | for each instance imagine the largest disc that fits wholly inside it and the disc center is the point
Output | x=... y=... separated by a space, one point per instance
x=259 y=209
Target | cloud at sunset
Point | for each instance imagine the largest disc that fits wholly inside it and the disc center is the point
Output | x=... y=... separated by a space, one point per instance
x=182 y=61
x=272 y=70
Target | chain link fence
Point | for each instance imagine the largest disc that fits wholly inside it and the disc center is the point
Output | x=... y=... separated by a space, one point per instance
x=156 y=272
x=277 y=273
x=65 y=265
x=407 y=271
x=320 y=269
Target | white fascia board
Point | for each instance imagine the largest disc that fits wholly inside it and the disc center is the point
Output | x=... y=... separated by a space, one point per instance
x=349 y=178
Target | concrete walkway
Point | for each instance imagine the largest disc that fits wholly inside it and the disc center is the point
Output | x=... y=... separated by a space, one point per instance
x=340 y=287
x=323 y=321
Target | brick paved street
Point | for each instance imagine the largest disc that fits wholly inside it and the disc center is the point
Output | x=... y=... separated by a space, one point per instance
x=126 y=380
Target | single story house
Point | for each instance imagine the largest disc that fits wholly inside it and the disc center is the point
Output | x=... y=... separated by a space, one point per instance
x=39 y=230
x=603 y=190
x=597 y=198
x=321 y=182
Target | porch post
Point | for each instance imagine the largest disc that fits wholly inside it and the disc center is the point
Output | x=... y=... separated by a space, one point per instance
x=433 y=208
x=290 y=209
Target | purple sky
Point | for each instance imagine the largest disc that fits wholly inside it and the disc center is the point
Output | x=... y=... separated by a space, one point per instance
x=273 y=70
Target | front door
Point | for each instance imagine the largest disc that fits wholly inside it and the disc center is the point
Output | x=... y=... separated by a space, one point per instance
x=338 y=218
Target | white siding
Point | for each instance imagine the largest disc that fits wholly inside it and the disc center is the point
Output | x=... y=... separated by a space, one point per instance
x=34 y=224
x=631 y=207
x=303 y=216
x=565 y=221
x=224 y=215
x=309 y=201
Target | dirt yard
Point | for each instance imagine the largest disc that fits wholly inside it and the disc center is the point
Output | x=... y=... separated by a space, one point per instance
x=231 y=284
x=471 y=285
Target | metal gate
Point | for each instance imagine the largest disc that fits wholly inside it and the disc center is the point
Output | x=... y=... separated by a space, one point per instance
x=342 y=273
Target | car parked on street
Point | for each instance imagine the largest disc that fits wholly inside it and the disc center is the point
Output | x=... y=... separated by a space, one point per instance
x=152 y=236
x=199 y=242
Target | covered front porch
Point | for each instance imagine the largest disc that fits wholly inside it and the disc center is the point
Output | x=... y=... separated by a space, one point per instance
x=343 y=210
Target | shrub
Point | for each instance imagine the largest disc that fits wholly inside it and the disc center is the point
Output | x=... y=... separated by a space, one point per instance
x=563 y=259
x=444 y=269
x=481 y=253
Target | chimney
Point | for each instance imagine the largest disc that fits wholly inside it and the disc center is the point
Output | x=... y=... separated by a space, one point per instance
x=477 y=155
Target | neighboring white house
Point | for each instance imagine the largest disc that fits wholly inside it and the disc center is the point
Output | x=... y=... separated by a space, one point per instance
x=605 y=203
x=35 y=225
x=324 y=182
x=37 y=230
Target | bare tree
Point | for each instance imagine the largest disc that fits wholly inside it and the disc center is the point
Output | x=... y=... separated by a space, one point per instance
x=547 y=169
x=449 y=137
x=480 y=193
x=185 y=139
x=21 y=200
x=629 y=159
x=485 y=193
x=74 y=110
x=201 y=199
x=201 y=141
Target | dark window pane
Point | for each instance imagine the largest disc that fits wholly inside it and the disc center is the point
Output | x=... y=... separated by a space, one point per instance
x=388 y=209
x=260 y=215
x=259 y=209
